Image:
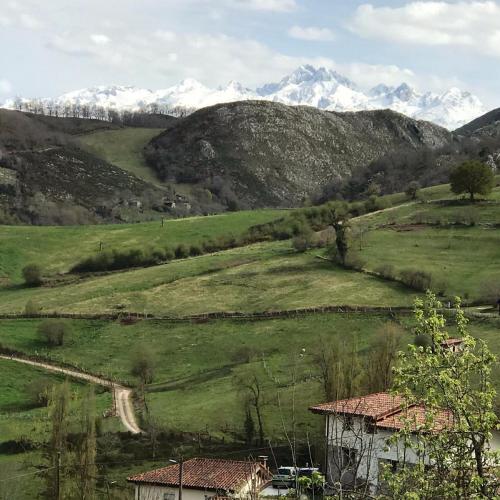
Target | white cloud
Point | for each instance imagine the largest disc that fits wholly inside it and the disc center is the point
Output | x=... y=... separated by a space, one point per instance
x=472 y=24
x=4 y=21
x=5 y=86
x=30 y=22
x=100 y=39
x=266 y=5
x=166 y=36
x=163 y=58
x=67 y=45
x=311 y=33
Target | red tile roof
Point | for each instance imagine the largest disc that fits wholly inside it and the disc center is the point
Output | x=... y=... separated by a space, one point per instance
x=452 y=342
x=385 y=411
x=205 y=474
x=374 y=406
x=416 y=415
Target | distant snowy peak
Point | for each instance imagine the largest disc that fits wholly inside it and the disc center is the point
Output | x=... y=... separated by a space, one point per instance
x=319 y=87
x=307 y=76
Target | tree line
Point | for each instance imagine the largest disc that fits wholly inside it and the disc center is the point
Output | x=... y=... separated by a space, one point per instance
x=69 y=109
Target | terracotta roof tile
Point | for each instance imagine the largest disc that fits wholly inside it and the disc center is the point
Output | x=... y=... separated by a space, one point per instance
x=374 y=406
x=417 y=416
x=205 y=473
x=451 y=342
x=385 y=410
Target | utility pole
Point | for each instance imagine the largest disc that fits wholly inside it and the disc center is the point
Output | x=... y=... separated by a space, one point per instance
x=58 y=467
x=181 y=467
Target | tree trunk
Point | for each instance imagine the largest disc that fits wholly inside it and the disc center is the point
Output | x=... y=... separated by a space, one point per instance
x=261 y=425
x=478 y=454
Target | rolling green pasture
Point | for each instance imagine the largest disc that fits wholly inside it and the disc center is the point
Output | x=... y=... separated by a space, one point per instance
x=20 y=418
x=436 y=205
x=198 y=365
x=123 y=148
x=464 y=259
x=56 y=249
x=261 y=277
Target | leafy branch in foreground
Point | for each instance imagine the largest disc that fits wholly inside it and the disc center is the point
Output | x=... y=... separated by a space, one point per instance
x=450 y=438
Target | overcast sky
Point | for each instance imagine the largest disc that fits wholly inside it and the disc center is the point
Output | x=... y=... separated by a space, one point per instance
x=50 y=47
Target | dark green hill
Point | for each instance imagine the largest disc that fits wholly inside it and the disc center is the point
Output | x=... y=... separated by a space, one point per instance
x=269 y=154
x=486 y=125
x=45 y=178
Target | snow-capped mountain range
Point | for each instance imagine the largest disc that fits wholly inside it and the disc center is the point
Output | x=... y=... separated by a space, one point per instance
x=320 y=87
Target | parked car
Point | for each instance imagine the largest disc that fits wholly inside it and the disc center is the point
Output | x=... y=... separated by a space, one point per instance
x=307 y=471
x=285 y=477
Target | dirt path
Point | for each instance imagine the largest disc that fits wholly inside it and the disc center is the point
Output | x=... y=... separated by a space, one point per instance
x=389 y=209
x=122 y=394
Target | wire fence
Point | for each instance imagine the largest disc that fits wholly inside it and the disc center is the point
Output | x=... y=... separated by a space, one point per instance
x=129 y=316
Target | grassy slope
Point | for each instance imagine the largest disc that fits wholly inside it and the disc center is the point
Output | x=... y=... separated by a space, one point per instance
x=251 y=279
x=463 y=258
x=123 y=148
x=19 y=418
x=55 y=249
x=198 y=364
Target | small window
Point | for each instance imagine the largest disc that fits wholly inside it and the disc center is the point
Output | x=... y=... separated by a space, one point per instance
x=370 y=427
x=348 y=458
x=348 y=423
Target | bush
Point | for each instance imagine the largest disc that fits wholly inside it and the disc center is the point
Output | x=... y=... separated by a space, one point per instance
x=412 y=190
x=354 y=261
x=468 y=216
x=195 y=250
x=301 y=243
x=418 y=280
x=304 y=239
x=386 y=271
x=38 y=392
x=53 y=332
x=181 y=252
x=169 y=254
x=32 y=275
x=143 y=364
x=31 y=308
x=375 y=203
x=490 y=291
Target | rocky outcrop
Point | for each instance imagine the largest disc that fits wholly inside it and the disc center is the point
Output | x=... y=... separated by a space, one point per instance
x=276 y=155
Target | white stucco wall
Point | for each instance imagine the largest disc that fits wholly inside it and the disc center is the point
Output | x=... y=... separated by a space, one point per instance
x=372 y=448
x=152 y=492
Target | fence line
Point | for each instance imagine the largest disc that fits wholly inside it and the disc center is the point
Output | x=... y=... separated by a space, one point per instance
x=126 y=316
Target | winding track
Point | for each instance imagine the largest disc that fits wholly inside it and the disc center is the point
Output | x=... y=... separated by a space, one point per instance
x=122 y=394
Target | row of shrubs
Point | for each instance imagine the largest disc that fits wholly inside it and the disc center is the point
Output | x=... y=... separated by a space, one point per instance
x=297 y=224
x=113 y=260
x=415 y=279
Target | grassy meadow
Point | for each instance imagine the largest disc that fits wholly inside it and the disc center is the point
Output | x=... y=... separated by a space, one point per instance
x=56 y=249
x=201 y=367
x=123 y=148
x=261 y=277
x=21 y=417
x=195 y=375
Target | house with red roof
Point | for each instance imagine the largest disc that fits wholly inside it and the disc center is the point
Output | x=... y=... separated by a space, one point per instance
x=357 y=434
x=203 y=479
